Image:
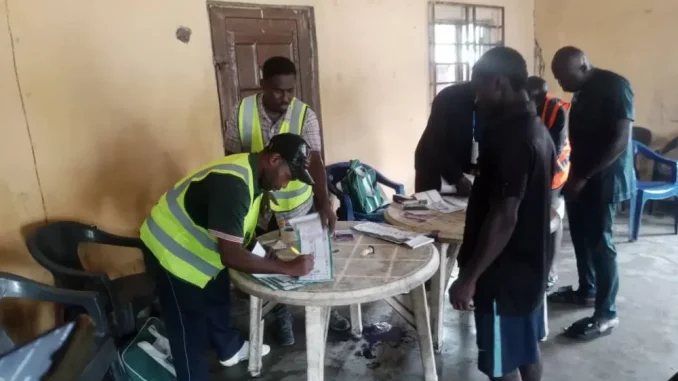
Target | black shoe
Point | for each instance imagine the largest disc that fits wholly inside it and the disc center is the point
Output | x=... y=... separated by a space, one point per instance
x=339 y=323
x=283 y=319
x=591 y=328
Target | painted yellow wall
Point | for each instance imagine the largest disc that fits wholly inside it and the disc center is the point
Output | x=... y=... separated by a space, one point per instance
x=118 y=109
x=632 y=38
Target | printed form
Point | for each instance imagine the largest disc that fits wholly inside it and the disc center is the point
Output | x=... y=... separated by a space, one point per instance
x=313 y=239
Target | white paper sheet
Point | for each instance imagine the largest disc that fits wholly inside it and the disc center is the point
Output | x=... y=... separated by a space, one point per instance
x=436 y=202
x=313 y=239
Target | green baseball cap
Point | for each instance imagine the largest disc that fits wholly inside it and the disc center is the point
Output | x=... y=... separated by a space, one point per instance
x=295 y=151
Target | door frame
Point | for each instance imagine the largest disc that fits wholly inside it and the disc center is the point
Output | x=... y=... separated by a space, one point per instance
x=302 y=15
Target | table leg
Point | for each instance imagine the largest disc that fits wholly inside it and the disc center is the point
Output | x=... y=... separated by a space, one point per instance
x=317 y=319
x=421 y=317
x=256 y=336
x=546 y=320
x=439 y=282
x=356 y=320
x=438 y=285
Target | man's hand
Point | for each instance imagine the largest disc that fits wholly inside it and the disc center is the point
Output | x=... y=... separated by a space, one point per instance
x=574 y=186
x=464 y=186
x=327 y=216
x=299 y=266
x=461 y=294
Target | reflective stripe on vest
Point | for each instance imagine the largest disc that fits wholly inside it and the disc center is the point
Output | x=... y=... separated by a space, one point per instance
x=183 y=248
x=251 y=138
x=563 y=161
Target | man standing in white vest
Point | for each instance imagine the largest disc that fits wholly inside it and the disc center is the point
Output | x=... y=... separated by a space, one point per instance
x=255 y=120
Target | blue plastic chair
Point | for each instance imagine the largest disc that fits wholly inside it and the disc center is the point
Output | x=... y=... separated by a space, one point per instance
x=652 y=190
x=335 y=173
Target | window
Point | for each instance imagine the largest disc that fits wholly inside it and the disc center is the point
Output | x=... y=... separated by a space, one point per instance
x=459 y=35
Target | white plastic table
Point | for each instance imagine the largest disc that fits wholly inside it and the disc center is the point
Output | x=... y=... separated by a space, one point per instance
x=392 y=273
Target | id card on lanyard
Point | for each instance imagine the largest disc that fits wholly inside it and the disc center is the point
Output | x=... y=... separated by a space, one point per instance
x=474 y=142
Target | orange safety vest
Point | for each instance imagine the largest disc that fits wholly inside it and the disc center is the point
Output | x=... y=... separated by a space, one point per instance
x=549 y=119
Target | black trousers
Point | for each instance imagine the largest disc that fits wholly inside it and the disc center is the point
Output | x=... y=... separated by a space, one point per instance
x=195 y=319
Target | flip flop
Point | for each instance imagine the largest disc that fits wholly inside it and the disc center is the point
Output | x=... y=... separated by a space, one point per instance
x=567 y=295
x=588 y=329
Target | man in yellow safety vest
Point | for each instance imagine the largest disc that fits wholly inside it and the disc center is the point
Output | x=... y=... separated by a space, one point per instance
x=255 y=120
x=202 y=227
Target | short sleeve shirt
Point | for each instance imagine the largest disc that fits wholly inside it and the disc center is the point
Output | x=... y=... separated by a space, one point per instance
x=219 y=203
x=517 y=160
x=605 y=99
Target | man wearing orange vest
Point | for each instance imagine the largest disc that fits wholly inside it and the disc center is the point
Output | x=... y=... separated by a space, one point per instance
x=553 y=112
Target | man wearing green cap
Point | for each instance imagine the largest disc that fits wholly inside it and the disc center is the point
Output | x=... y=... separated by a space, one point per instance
x=199 y=229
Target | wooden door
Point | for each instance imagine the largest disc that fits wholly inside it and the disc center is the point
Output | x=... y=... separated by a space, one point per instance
x=245 y=36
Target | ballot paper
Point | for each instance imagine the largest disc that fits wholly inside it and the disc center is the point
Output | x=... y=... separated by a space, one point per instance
x=436 y=202
x=457 y=202
x=314 y=239
x=391 y=234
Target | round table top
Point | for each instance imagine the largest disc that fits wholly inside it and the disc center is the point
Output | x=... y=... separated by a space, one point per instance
x=391 y=270
x=450 y=226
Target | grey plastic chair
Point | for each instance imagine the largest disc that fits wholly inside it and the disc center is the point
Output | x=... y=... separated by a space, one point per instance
x=103 y=361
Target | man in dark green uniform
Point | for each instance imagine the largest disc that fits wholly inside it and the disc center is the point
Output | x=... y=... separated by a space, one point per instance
x=601 y=177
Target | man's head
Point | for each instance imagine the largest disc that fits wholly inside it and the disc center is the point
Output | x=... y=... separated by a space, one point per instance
x=537 y=89
x=285 y=158
x=571 y=68
x=278 y=82
x=499 y=77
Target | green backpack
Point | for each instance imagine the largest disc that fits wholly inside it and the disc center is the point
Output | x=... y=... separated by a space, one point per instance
x=360 y=183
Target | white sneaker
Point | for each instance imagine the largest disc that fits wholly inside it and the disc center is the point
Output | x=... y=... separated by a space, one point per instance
x=244 y=354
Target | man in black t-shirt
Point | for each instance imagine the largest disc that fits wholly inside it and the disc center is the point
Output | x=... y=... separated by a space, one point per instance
x=504 y=260
x=445 y=148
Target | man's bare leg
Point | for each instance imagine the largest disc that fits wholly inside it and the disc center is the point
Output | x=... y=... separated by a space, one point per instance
x=532 y=372
x=513 y=376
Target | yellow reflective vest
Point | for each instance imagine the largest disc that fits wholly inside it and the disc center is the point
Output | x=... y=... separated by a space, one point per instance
x=183 y=248
x=296 y=193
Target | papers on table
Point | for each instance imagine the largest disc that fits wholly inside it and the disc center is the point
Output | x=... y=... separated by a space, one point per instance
x=391 y=234
x=274 y=281
x=314 y=239
x=435 y=202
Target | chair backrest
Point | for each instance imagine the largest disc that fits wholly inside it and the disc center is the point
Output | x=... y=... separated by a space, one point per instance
x=642 y=135
x=15 y=286
x=336 y=172
x=55 y=247
x=670 y=146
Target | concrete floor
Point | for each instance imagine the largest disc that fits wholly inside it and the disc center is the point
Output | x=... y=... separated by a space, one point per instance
x=644 y=347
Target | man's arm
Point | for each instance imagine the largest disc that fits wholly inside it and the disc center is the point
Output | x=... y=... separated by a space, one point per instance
x=232 y=143
x=498 y=226
x=558 y=132
x=615 y=139
x=311 y=134
x=614 y=145
x=228 y=202
x=494 y=235
x=323 y=204
x=441 y=134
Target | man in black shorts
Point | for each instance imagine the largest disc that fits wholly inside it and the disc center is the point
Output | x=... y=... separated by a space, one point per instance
x=505 y=259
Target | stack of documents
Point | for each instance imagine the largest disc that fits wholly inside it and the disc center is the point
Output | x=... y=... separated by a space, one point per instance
x=312 y=239
x=435 y=201
x=391 y=234
x=274 y=281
